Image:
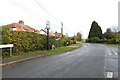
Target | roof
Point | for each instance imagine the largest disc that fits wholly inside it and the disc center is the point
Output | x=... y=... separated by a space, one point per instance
x=58 y=34
x=51 y=34
x=20 y=27
x=28 y=28
x=37 y=31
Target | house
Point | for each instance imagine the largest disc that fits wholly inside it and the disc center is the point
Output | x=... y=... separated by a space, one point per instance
x=51 y=34
x=58 y=34
x=45 y=32
x=21 y=27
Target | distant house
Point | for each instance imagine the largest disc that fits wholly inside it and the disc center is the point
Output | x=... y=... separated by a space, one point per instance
x=21 y=27
x=50 y=34
x=58 y=34
x=45 y=32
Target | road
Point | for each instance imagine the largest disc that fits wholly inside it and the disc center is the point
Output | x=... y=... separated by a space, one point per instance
x=89 y=61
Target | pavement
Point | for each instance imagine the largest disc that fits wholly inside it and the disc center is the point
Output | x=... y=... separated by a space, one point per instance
x=89 y=61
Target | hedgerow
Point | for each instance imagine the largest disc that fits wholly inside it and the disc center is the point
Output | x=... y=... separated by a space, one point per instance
x=24 y=41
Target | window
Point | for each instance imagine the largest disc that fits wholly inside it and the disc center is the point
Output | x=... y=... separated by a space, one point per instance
x=14 y=29
x=25 y=30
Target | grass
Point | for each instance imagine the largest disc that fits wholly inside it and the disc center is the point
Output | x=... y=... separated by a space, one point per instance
x=58 y=50
x=55 y=51
x=77 y=44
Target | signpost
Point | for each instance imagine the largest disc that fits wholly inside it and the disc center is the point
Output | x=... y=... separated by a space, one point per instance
x=6 y=46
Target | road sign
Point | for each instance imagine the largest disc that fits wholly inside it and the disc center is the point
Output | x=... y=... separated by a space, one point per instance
x=6 y=46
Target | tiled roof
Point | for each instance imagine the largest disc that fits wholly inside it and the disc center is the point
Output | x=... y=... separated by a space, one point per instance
x=20 y=27
x=29 y=28
x=37 y=31
x=58 y=34
x=51 y=34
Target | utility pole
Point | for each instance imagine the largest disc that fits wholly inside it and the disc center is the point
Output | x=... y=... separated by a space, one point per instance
x=62 y=28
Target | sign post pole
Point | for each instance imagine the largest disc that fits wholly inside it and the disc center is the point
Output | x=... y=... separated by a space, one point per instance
x=10 y=51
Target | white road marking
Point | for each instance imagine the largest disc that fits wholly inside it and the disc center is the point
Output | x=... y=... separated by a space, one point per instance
x=114 y=52
x=108 y=51
x=109 y=74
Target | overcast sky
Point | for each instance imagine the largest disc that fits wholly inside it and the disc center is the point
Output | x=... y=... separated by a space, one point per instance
x=76 y=15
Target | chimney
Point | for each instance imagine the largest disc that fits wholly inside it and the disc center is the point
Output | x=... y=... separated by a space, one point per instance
x=21 y=22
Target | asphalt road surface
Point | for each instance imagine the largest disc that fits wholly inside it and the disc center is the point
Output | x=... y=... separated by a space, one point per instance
x=89 y=61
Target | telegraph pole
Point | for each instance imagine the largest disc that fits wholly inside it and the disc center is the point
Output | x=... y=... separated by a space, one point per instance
x=62 y=28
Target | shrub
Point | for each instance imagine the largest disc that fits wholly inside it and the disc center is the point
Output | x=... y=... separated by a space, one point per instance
x=74 y=41
x=113 y=41
x=94 y=40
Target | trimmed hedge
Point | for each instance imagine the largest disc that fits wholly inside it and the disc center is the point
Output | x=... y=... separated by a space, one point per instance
x=25 y=41
x=28 y=41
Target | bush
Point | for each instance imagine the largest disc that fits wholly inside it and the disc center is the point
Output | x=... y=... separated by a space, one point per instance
x=64 y=43
x=74 y=41
x=113 y=41
x=94 y=40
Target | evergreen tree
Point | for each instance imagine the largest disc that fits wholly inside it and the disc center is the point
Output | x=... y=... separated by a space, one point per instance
x=95 y=31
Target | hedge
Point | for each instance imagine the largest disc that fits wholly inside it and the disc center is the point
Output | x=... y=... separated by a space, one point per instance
x=28 y=41
x=25 y=41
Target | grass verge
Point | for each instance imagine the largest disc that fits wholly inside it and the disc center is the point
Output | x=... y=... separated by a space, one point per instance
x=56 y=51
x=77 y=44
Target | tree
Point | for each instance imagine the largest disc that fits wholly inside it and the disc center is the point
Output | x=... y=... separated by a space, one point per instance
x=95 y=31
x=108 y=34
x=79 y=36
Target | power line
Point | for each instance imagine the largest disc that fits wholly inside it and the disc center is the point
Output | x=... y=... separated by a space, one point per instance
x=46 y=11
x=18 y=4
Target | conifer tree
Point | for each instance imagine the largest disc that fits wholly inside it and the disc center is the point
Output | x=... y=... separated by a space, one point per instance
x=95 y=31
